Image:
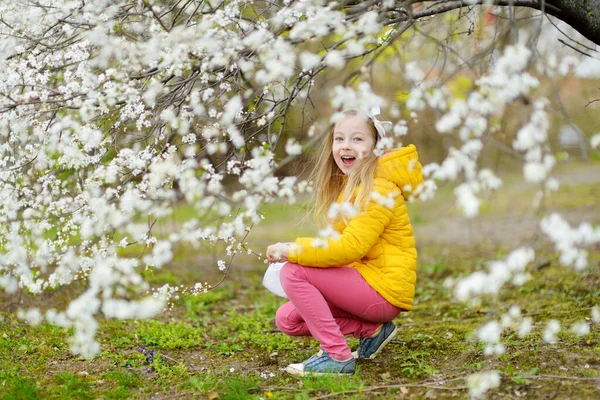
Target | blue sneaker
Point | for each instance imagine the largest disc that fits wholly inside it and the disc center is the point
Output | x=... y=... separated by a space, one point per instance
x=322 y=364
x=370 y=347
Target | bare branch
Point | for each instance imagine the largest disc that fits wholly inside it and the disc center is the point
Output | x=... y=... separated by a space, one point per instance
x=575 y=48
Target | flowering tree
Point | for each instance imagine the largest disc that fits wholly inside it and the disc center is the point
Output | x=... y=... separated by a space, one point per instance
x=113 y=113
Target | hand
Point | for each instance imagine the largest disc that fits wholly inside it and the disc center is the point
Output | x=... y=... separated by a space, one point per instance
x=277 y=252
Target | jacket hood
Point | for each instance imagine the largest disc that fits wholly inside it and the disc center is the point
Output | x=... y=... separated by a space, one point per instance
x=401 y=166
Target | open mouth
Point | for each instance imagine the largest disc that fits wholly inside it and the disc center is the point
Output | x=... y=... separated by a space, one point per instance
x=348 y=161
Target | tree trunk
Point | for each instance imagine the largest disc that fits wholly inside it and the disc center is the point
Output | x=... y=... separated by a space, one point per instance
x=582 y=15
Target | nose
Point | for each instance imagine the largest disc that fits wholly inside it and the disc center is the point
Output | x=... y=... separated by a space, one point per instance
x=346 y=145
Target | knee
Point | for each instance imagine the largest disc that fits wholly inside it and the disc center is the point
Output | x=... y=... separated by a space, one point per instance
x=283 y=320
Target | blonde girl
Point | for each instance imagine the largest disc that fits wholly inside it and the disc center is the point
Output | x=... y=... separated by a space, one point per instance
x=359 y=281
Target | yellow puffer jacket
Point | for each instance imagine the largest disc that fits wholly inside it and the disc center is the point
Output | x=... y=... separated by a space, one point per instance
x=379 y=241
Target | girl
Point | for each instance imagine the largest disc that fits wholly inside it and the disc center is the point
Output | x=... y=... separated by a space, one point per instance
x=360 y=281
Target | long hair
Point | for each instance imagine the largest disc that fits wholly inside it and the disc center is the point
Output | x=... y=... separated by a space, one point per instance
x=330 y=181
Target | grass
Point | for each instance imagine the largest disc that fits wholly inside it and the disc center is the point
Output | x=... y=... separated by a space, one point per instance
x=224 y=344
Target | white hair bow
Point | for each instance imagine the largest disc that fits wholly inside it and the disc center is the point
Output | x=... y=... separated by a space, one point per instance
x=379 y=125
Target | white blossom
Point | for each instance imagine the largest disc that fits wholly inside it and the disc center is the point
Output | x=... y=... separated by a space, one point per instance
x=453 y=118
x=335 y=59
x=595 y=141
x=341 y=210
x=122 y=309
x=388 y=200
x=525 y=327
x=551 y=331
x=416 y=101
x=490 y=334
x=293 y=148
x=499 y=273
x=32 y=316
x=467 y=200
x=413 y=73
x=162 y=253
x=568 y=240
x=581 y=328
x=482 y=382
x=309 y=60
x=400 y=129
x=362 y=99
x=329 y=232
x=596 y=315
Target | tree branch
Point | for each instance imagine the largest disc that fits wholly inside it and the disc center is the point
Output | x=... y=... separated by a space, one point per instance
x=585 y=18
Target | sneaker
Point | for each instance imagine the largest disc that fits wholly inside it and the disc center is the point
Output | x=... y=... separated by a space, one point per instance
x=322 y=364
x=370 y=347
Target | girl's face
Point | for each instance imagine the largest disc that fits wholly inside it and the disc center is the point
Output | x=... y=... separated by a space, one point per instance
x=353 y=141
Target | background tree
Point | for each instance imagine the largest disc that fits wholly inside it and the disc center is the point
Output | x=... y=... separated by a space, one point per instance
x=113 y=114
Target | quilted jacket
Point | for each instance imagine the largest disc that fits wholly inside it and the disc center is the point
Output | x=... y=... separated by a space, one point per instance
x=378 y=241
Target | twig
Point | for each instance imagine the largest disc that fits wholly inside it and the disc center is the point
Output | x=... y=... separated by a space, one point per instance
x=572 y=378
x=568 y=37
x=574 y=48
x=156 y=17
x=592 y=101
x=428 y=12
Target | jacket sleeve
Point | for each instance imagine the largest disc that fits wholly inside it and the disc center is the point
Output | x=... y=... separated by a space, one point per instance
x=355 y=241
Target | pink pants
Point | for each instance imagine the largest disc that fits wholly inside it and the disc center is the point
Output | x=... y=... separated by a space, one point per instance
x=329 y=303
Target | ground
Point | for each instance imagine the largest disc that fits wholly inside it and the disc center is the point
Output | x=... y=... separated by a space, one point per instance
x=224 y=344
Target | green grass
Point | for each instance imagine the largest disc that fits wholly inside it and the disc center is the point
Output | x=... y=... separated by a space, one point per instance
x=168 y=335
x=71 y=386
x=225 y=342
x=123 y=383
x=18 y=387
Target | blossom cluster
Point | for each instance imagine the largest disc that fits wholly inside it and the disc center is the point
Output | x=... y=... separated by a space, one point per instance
x=111 y=117
x=568 y=240
x=499 y=273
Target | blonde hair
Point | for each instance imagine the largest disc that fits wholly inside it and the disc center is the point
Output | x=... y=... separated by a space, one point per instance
x=329 y=180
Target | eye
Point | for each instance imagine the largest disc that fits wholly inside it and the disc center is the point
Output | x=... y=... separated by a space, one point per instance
x=338 y=139
x=358 y=139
